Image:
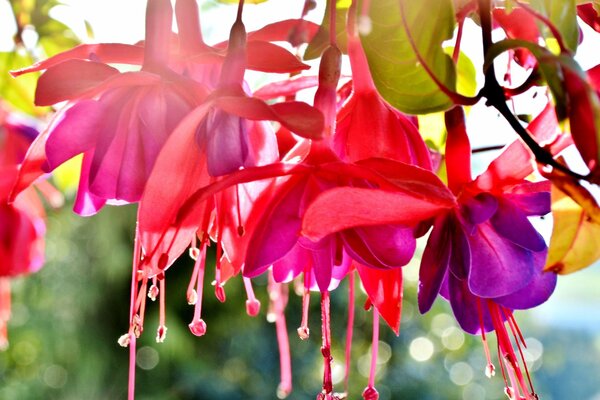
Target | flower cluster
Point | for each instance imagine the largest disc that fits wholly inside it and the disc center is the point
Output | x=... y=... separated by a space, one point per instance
x=306 y=193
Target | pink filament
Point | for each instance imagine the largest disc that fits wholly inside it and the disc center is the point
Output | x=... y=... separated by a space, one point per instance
x=252 y=304
x=199 y=271
x=374 y=348
x=349 y=328
x=4 y=311
x=132 y=354
x=326 y=348
x=303 y=331
x=279 y=298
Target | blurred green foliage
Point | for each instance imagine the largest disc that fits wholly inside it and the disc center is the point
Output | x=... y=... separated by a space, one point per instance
x=68 y=317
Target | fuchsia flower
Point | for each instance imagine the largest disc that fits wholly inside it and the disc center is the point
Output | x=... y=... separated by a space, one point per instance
x=484 y=256
x=22 y=223
x=119 y=121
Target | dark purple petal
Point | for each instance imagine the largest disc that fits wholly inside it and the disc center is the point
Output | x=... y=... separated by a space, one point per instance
x=381 y=246
x=480 y=208
x=469 y=310
x=460 y=253
x=534 y=294
x=498 y=266
x=513 y=224
x=434 y=263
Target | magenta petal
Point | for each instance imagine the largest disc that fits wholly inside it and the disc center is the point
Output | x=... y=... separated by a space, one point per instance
x=513 y=224
x=86 y=203
x=291 y=265
x=380 y=246
x=434 y=263
x=323 y=256
x=75 y=133
x=278 y=230
x=498 y=266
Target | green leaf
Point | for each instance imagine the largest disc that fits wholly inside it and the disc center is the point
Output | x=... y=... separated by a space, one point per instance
x=396 y=70
x=18 y=92
x=466 y=75
x=563 y=14
x=321 y=39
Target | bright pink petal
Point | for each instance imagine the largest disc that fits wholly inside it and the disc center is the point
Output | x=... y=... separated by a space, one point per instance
x=86 y=203
x=109 y=53
x=286 y=30
x=268 y=57
x=297 y=116
x=69 y=79
x=288 y=87
x=178 y=171
x=76 y=131
x=347 y=207
x=384 y=288
x=458 y=150
x=279 y=228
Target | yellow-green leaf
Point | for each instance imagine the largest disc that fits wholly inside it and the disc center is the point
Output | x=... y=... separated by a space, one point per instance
x=574 y=242
x=397 y=72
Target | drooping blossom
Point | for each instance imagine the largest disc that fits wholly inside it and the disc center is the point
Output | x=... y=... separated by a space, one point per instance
x=22 y=223
x=119 y=121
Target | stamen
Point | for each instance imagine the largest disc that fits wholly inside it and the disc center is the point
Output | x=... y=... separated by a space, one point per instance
x=240 y=227
x=370 y=393
x=4 y=312
x=490 y=370
x=153 y=291
x=326 y=348
x=198 y=326
x=278 y=295
x=161 y=332
x=349 y=328
x=303 y=331
x=132 y=354
x=252 y=304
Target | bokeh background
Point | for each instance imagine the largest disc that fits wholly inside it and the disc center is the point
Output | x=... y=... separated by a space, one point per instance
x=67 y=318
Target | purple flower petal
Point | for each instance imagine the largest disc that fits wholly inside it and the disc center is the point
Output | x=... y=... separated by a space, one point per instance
x=434 y=263
x=469 y=310
x=480 y=208
x=513 y=224
x=531 y=203
x=534 y=294
x=498 y=266
x=460 y=254
x=226 y=138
